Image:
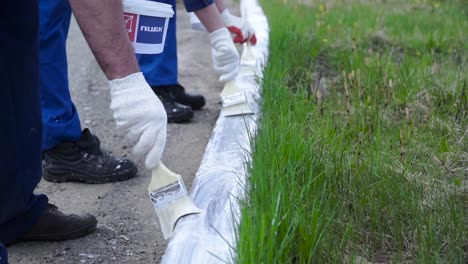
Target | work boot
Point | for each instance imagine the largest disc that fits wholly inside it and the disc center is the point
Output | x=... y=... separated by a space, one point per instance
x=54 y=225
x=84 y=161
x=176 y=112
x=196 y=101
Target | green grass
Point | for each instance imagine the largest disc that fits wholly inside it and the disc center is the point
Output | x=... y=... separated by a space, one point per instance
x=361 y=151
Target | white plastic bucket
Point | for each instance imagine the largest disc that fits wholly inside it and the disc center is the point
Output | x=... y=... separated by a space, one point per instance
x=146 y=24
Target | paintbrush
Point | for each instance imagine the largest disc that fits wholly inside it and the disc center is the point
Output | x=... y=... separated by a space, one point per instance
x=233 y=97
x=248 y=58
x=170 y=198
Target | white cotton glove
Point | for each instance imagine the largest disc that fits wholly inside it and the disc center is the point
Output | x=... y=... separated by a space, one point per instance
x=141 y=114
x=242 y=30
x=224 y=55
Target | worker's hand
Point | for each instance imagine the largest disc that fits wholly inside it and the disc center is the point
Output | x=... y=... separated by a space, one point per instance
x=141 y=114
x=224 y=54
x=241 y=28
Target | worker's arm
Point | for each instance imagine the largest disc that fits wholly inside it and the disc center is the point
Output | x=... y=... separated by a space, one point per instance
x=210 y=18
x=103 y=26
x=135 y=107
x=241 y=29
x=220 y=5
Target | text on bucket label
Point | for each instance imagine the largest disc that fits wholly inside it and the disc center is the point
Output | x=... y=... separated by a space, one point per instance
x=144 y=29
x=150 y=29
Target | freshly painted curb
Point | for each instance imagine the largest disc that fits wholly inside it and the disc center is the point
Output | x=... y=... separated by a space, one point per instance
x=210 y=237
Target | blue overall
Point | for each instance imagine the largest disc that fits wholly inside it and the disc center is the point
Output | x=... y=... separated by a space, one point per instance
x=20 y=116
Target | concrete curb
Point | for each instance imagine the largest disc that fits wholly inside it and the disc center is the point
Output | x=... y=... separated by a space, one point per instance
x=210 y=237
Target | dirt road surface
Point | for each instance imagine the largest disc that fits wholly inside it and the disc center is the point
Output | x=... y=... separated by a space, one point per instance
x=128 y=231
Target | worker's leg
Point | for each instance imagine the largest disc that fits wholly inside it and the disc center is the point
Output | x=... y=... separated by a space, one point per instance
x=3 y=254
x=20 y=116
x=60 y=118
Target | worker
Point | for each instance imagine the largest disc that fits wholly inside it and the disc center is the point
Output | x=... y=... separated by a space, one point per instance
x=73 y=154
x=27 y=216
x=161 y=70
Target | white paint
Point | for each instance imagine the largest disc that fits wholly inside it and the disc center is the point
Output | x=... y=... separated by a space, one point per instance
x=209 y=237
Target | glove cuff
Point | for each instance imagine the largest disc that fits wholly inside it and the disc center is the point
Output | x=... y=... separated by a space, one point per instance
x=220 y=34
x=128 y=82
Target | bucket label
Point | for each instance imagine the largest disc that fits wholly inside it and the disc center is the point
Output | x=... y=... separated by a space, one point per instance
x=150 y=29
x=130 y=25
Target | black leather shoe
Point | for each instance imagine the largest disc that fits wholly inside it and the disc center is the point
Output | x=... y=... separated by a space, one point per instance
x=84 y=161
x=195 y=101
x=54 y=225
x=176 y=112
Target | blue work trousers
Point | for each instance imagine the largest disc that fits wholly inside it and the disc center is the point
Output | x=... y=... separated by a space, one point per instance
x=20 y=118
x=59 y=116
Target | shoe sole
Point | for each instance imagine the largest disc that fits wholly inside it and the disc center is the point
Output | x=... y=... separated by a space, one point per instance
x=194 y=106
x=93 y=179
x=183 y=117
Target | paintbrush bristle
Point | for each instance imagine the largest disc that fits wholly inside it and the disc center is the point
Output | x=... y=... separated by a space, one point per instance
x=170 y=198
x=238 y=109
x=170 y=214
